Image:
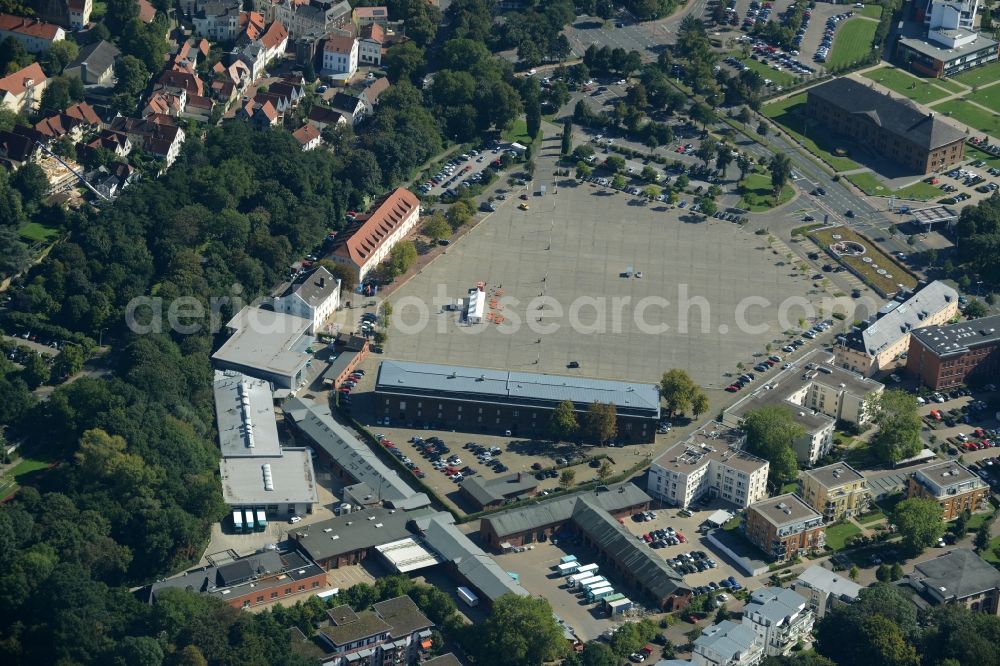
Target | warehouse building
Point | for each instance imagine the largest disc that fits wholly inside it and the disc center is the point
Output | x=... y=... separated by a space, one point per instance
x=489 y=493
x=507 y=402
x=893 y=128
x=943 y=357
x=268 y=345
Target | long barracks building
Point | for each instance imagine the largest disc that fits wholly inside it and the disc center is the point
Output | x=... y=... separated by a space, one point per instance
x=491 y=400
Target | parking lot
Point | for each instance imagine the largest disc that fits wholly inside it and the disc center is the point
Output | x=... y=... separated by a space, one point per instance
x=463 y=171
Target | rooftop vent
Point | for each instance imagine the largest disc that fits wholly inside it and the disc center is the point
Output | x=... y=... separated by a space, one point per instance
x=268 y=479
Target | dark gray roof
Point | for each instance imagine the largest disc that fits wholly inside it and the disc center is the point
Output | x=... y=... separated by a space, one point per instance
x=351 y=532
x=345 y=102
x=561 y=509
x=244 y=571
x=785 y=510
x=525 y=388
x=365 y=625
x=961 y=337
x=314 y=287
x=896 y=116
x=447 y=659
x=96 y=57
x=487 y=491
x=956 y=575
x=650 y=570
x=835 y=475
x=344 y=359
x=402 y=615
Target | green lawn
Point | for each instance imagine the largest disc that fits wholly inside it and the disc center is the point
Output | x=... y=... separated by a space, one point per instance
x=976 y=154
x=871 y=517
x=973 y=116
x=988 y=97
x=824 y=237
x=949 y=85
x=919 y=90
x=871 y=11
x=869 y=183
x=991 y=553
x=9 y=481
x=783 y=79
x=790 y=113
x=980 y=75
x=758 y=195
x=978 y=519
x=919 y=191
x=837 y=535
x=518 y=132
x=38 y=233
x=852 y=42
x=790 y=487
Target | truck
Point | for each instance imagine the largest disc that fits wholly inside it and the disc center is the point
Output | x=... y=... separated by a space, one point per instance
x=261 y=520
x=613 y=598
x=577 y=577
x=599 y=593
x=566 y=568
x=468 y=596
x=237 y=521
x=248 y=519
x=582 y=583
x=588 y=583
x=567 y=558
x=588 y=569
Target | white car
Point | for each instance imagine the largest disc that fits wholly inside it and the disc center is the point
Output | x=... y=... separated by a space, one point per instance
x=294 y=519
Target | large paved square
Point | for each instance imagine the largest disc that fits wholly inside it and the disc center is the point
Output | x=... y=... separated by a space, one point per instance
x=573 y=246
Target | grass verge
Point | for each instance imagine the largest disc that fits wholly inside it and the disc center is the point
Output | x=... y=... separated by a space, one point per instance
x=837 y=535
x=871 y=517
x=919 y=191
x=917 y=89
x=868 y=183
x=757 y=194
x=885 y=283
x=790 y=113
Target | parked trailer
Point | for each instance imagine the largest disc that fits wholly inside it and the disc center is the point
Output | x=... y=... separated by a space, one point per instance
x=468 y=596
x=566 y=568
x=588 y=568
x=591 y=583
x=261 y=520
x=577 y=577
x=238 y=521
x=614 y=597
x=618 y=606
x=600 y=593
x=567 y=558
x=584 y=582
x=248 y=519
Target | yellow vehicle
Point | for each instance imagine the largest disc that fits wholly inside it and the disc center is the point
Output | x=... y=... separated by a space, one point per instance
x=523 y=206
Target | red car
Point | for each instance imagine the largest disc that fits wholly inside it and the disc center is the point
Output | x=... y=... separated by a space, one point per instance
x=648 y=538
x=732 y=388
x=680 y=537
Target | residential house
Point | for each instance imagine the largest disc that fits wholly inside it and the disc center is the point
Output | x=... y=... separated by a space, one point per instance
x=374 y=90
x=291 y=87
x=944 y=357
x=784 y=527
x=198 y=108
x=16 y=149
x=825 y=589
x=392 y=632
x=22 y=90
x=72 y=123
x=110 y=140
x=174 y=80
x=321 y=117
x=710 y=462
x=780 y=618
x=237 y=74
x=308 y=137
x=953 y=486
x=259 y=115
x=311 y=16
x=158 y=135
x=147 y=12
x=340 y=56
x=366 y=242
x=727 y=643
x=253 y=55
x=79 y=13
x=281 y=103
x=167 y=102
x=351 y=107
x=370 y=44
x=251 y=26
x=877 y=344
x=958 y=577
x=218 y=20
x=35 y=36
x=95 y=64
x=837 y=491
x=112 y=182
x=222 y=92
x=274 y=40
x=186 y=57
x=314 y=296
x=366 y=16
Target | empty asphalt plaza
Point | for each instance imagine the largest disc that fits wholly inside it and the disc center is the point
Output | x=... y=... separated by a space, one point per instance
x=555 y=273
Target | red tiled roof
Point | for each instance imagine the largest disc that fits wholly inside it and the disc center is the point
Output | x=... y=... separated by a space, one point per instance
x=84 y=113
x=147 y=12
x=273 y=36
x=268 y=110
x=17 y=82
x=371 y=12
x=373 y=32
x=339 y=44
x=306 y=133
x=29 y=27
x=252 y=24
x=76 y=5
x=55 y=126
x=369 y=231
x=188 y=81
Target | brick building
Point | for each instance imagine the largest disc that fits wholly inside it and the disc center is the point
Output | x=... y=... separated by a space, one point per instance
x=893 y=128
x=951 y=485
x=784 y=526
x=946 y=356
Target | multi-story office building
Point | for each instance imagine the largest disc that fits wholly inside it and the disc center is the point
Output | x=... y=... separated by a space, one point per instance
x=946 y=356
x=837 y=491
x=784 y=526
x=951 y=45
x=711 y=461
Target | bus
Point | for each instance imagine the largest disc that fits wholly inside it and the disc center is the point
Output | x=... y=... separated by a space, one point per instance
x=237 y=521
x=567 y=558
x=566 y=568
x=600 y=593
x=588 y=568
x=261 y=520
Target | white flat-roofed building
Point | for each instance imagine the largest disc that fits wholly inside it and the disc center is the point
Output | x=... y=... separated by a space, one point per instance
x=244 y=410
x=780 y=618
x=710 y=461
x=727 y=643
x=284 y=485
x=477 y=306
x=268 y=345
x=825 y=589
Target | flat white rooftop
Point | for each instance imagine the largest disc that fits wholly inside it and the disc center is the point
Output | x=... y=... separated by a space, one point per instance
x=271 y=342
x=288 y=479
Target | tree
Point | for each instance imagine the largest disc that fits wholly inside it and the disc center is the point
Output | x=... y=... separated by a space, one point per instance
x=745 y=164
x=36 y=371
x=877 y=629
x=649 y=174
x=898 y=424
x=771 y=434
x=531 y=97
x=895 y=571
x=60 y=54
x=781 y=171
x=679 y=391
x=459 y=214
x=974 y=309
x=596 y=653
x=437 y=227
x=563 y=424
x=983 y=537
x=604 y=471
x=69 y=362
x=401 y=257
x=518 y=630
x=348 y=278
x=883 y=573
x=762 y=128
x=699 y=404
x=567 y=135
x=119 y=14
x=55 y=97
x=854 y=572
x=405 y=62
x=601 y=422
x=567 y=477
x=618 y=182
x=918 y=521
x=30 y=180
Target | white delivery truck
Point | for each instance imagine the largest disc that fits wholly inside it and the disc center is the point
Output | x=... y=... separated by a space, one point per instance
x=468 y=596
x=566 y=568
x=590 y=569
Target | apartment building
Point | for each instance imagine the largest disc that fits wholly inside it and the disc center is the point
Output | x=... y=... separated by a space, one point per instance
x=370 y=44
x=951 y=485
x=779 y=617
x=366 y=242
x=878 y=343
x=784 y=527
x=309 y=17
x=340 y=55
x=314 y=296
x=21 y=91
x=943 y=357
x=35 y=36
x=712 y=462
x=825 y=589
x=727 y=643
x=837 y=491
x=79 y=13
x=392 y=632
x=894 y=128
